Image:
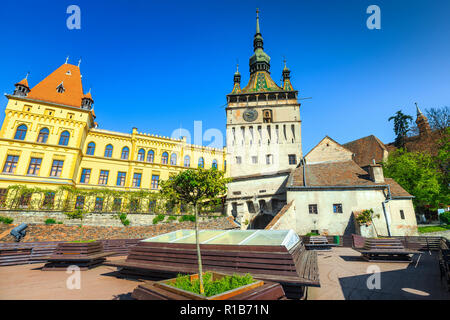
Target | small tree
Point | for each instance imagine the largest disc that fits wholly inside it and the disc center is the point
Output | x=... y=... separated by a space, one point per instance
x=401 y=127
x=195 y=186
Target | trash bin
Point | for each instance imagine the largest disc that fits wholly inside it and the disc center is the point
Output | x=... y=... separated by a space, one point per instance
x=336 y=240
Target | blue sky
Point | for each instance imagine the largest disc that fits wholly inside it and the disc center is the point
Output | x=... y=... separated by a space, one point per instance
x=156 y=65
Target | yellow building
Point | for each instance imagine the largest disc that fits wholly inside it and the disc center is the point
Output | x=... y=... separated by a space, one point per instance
x=49 y=138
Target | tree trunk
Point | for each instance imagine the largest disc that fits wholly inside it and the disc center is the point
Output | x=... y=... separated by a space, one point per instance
x=199 y=257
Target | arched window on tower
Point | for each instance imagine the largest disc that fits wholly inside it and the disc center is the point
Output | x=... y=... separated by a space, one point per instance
x=108 y=151
x=214 y=164
x=141 y=155
x=125 y=153
x=43 y=135
x=64 y=138
x=151 y=156
x=90 y=149
x=21 y=132
x=165 y=158
x=201 y=162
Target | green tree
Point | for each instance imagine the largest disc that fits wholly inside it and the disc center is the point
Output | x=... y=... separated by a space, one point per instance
x=195 y=186
x=401 y=127
x=417 y=173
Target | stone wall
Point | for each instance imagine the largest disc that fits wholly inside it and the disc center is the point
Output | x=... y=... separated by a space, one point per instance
x=91 y=219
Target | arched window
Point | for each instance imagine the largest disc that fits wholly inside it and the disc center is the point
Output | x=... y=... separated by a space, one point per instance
x=214 y=164
x=64 y=138
x=90 y=148
x=187 y=161
x=173 y=159
x=43 y=135
x=165 y=158
x=151 y=156
x=108 y=151
x=125 y=153
x=201 y=162
x=141 y=155
x=21 y=132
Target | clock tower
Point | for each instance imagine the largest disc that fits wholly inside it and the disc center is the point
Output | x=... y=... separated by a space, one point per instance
x=263 y=139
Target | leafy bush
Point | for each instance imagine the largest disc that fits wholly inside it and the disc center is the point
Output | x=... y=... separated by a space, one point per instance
x=187 y=217
x=158 y=218
x=171 y=218
x=445 y=217
x=312 y=234
x=123 y=219
x=50 y=221
x=6 y=220
x=212 y=287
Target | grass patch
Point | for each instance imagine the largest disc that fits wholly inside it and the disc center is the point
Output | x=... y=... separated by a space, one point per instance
x=6 y=220
x=187 y=217
x=212 y=287
x=81 y=241
x=434 y=228
x=158 y=218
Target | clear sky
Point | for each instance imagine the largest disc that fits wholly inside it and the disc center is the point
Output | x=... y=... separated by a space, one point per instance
x=156 y=65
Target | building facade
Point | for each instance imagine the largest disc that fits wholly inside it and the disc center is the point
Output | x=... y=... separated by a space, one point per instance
x=263 y=138
x=50 y=138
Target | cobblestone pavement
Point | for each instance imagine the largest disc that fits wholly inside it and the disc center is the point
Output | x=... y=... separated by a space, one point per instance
x=59 y=232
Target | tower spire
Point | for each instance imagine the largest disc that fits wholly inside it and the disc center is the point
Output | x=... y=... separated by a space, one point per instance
x=417 y=108
x=257 y=21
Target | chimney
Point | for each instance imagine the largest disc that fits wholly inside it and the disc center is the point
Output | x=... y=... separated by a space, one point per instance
x=376 y=173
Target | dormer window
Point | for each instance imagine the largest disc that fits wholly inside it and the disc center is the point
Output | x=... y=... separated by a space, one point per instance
x=60 y=88
x=69 y=73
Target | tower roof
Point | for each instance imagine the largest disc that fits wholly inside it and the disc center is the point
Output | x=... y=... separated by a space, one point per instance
x=69 y=77
x=23 y=82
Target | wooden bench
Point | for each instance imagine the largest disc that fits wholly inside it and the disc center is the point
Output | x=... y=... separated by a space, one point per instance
x=444 y=261
x=383 y=249
x=268 y=291
x=83 y=255
x=295 y=269
x=319 y=243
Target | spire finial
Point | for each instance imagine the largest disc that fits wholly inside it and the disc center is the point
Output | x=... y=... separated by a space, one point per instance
x=89 y=90
x=26 y=77
x=257 y=21
x=79 y=62
x=67 y=59
x=417 y=108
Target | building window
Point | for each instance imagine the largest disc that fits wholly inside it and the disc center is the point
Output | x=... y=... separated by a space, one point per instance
x=60 y=88
x=108 y=151
x=35 y=165
x=267 y=116
x=85 y=175
x=254 y=159
x=173 y=159
x=125 y=153
x=21 y=132
x=90 y=149
x=117 y=204
x=313 y=209
x=134 y=205
x=225 y=165
x=64 y=138
x=155 y=181
x=165 y=158
x=79 y=203
x=292 y=159
x=43 y=135
x=3 y=194
x=56 y=168
x=121 y=179
x=141 y=155
x=337 y=208
x=402 y=215
x=214 y=164
x=49 y=200
x=25 y=199
x=151 y=206
x=269 y=159
x=151 y=156
x=98 y=204
x=238 y=160
x=10 y=164
x=187 y=161
x=201 y=162
x=103 y=178
x=137 y=180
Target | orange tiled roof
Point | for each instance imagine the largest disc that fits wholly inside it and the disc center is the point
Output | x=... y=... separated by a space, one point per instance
x=23 y=82
x=70 y=77
x=366 y=149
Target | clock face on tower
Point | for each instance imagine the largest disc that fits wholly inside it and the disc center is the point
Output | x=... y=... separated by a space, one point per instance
x=250 y=115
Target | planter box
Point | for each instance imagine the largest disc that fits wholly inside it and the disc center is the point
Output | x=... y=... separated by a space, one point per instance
x=165 y=284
